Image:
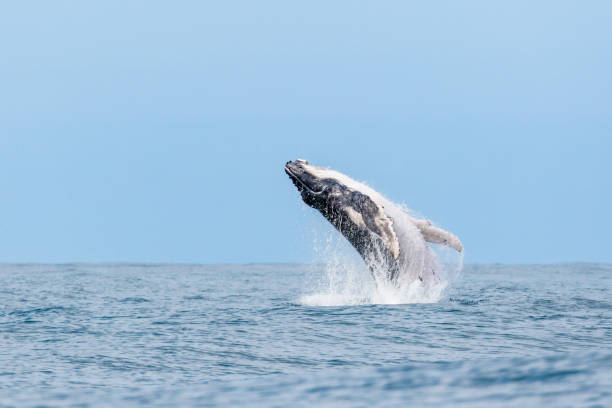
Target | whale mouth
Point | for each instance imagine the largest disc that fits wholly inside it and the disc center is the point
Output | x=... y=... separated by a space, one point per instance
x=298 y=181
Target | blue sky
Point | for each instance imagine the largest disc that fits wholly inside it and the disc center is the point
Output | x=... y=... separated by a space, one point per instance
x=157 y=132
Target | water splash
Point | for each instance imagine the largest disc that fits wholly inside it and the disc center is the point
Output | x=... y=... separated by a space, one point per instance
x=346 y=280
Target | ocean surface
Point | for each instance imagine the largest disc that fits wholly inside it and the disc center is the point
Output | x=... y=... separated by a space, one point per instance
x=302 y=335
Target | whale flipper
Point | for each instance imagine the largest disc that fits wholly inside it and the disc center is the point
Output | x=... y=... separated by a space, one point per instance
x=437 y=235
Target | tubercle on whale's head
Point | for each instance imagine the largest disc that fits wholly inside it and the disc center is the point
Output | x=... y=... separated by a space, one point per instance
x=317 y=187
x=302 y=175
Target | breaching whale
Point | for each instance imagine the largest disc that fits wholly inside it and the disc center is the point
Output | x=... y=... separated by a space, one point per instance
x=391 y=242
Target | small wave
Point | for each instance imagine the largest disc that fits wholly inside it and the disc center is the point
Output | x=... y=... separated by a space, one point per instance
x=195 y=297
x=134 y=300
x=592 y=303
x=465 y=302
x=38 y=310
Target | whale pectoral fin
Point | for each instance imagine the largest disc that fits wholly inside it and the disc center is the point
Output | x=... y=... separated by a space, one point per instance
x=437 y=235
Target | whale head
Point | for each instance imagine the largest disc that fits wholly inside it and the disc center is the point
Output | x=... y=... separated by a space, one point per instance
x=350 y=207
x=306 y=180
x=319 y=187
x=332 y=193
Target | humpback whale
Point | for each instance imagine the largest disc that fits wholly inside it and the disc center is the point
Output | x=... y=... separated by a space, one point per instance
x=390 y=240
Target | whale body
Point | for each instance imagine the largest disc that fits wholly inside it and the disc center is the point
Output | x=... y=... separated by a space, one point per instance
x=391 y=241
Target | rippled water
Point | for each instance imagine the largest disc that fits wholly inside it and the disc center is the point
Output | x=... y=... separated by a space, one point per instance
x=142 y=335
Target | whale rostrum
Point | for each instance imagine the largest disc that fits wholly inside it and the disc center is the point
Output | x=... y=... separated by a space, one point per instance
x=390 y=241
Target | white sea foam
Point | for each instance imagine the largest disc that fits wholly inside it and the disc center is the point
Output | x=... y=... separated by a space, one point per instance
x=352 y=284
x=346 y=280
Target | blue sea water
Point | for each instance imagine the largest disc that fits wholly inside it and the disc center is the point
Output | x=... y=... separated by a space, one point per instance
x=261 y=335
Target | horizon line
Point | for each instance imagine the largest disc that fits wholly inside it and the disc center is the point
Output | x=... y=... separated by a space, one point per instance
x=147 y=263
